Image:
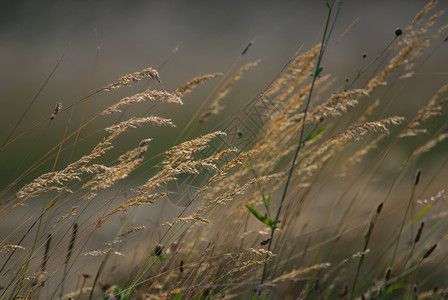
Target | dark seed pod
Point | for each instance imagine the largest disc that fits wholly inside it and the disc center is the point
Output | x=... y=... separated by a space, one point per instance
x=430 y=250
x=417 y=176
x=419 y=233
x=398 y=32
x=158 y=250
x=379 y=208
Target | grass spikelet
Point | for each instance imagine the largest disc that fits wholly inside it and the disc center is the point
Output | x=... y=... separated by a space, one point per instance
x=214 y=107
x=187 y=87
x=69 y=215
x=428 y=145
x=252 y=263
x=357 y=157
x=57 y=108
x=138 y=200
x=132 y=230
x=355 y=132
x=133 y=122
x=102 y=252
x=368 y=112
x=426 y=44
x=11 y=247
x=221 y=174
x=336 y=105
x=163 y=96
x=293 y=69
x=237 y=191
x=432 y=108
x=134 y=77
x=422 y=12
x=194 y=217
x=401 y=57
x=292 y=275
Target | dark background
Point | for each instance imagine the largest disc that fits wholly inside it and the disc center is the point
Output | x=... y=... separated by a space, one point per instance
x=133 y=35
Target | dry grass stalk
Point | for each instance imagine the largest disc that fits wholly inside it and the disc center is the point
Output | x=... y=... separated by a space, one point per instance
x=426 y=44
x=132 y=230
x=336 y=105
x=316 y=159
x=11 y=247
x=141 y=97
x=357 y=157
x=55 y=181
x=428 y=145
x=110 y=176
x=179 y=162
x=293 y=69
x=214 y=107
x=251 y=263
x=401 y=57
x=221 y=174
x=423 y=114
x=369 y=111
x=432 y=108
x=56 y=110
x=136 y=201
x=134 y=77
x=296 y=272
x=237 y=191
x=282 y=124
x=355 y=132
x=102 y=252
x=356 y=255
x=127 y=163
x=69 y=215
x=297 y=79
x=133 y=122
x=186 y=88
x=194 y=217
x=182 y=164
x=72 y=295
x=420 y=14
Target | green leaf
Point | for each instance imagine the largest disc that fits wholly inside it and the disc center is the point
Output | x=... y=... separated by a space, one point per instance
x=257 y=214
x=264 y=218
x=54 y=202
x=328 y=6
x=176 y=296
x=124 y=294
x=313 y=135
x=268 y=200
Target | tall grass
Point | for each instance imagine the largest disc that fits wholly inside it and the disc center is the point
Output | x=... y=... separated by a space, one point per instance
x=299 y=195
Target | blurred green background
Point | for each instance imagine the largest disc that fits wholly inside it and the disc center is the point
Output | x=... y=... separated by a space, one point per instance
x=133 y=35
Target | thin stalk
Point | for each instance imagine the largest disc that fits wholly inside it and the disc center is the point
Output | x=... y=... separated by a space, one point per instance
x=302 y=131
x=366 y=245
x=36 y=96
x=402 y=223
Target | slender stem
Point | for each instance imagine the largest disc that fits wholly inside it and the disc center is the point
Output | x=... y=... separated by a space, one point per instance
x=302 y=131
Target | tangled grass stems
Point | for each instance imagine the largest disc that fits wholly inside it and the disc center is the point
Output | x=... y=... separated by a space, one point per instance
x=209 y=238
x=317 y=72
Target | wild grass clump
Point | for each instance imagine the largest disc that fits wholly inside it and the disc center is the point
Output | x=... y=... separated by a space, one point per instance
x=309 y=193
